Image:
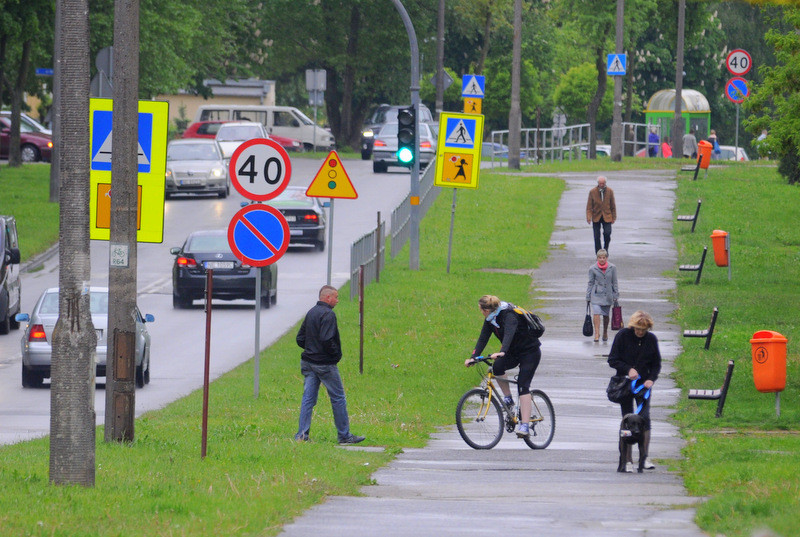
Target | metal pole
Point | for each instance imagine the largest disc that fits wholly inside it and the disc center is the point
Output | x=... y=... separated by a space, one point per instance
x=361 y=319
x=413 y=260
x=778 y=404
x=330 y=241
x=452 y=220
x=204 y=433
x=616 y=125
x=256 y=351
x=736 y=143
x=378 y=240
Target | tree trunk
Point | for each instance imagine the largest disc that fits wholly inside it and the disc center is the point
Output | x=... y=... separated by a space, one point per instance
x=594 y=104
x=72 y=390
x=514 y=114
x=487 y=35
x=14 y=157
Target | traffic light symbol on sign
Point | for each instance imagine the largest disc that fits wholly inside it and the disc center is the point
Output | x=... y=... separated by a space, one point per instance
x=406 y=133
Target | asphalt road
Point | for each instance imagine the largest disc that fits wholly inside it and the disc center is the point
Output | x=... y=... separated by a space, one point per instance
x=178 y=344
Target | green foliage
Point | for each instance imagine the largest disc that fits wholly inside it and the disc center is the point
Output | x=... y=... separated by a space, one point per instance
x=452 y=95
x=575 y=91
x=744 y=460
x=26 y=191
x=775 y=104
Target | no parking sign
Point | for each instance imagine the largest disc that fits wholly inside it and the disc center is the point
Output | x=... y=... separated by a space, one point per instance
x=258 y=235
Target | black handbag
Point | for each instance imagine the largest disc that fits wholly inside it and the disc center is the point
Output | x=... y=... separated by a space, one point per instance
x=588 y=329
x=619 y=388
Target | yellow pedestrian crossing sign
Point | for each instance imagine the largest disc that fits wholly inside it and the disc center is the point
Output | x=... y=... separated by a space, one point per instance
x=153 y=118
x=458 y=154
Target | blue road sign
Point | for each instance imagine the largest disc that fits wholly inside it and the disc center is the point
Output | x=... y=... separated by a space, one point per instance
x=102 y=124
x=736 y=89
x=616 y=65
x=44 y=71
x=460 y=132
x=258 y=235
x=473 y=86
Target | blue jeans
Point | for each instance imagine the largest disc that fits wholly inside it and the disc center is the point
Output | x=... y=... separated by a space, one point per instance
x=329 y=376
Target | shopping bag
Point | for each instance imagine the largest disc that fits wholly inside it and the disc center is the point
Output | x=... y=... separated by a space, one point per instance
x=588 y=329
x=616 y=316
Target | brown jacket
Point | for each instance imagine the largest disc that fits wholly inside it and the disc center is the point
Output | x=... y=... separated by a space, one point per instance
x=595 y=207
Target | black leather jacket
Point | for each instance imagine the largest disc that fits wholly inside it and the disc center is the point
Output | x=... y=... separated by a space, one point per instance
x=319 y=335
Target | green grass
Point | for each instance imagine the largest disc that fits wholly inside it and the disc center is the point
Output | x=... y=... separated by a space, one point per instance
x=255 y=478
x=25 y=195
x=747 y=460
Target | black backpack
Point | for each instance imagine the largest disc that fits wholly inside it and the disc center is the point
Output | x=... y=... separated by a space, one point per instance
x=534 y=323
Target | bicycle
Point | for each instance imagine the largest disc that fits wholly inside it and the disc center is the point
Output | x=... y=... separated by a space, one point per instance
x=481 y=414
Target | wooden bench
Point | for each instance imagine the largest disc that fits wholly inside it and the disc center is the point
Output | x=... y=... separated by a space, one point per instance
x=696 y=268
x=719 y=394
x=691 y=218
x=704 y=333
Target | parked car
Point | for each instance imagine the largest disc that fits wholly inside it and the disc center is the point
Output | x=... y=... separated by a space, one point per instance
x=730 y=152
x=196 y=166
x=231 y=135
x=27 y=123
x=232 y=279
x=208 y=129
x=37 y=350
x=600 y=150
x=385 y=113
x=491 y=150
x=384 y=152
x=34 y=146
x=10 y=286
x=305 y=216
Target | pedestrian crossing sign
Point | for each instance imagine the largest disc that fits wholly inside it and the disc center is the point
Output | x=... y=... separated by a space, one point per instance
x=473 y=86
x=616 y=64
x=152 y=122
x=458 y=153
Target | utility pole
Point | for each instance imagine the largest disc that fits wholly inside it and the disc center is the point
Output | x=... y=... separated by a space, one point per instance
x=678 y=128
x=514 y=113
x=440 y=61
x=121 y=362
x=413 y=258
x=616 y=125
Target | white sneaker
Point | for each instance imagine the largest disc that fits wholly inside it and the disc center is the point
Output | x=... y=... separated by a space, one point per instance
x=648 y=464
x=628 y=467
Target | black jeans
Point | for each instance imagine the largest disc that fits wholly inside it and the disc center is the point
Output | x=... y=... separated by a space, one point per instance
x=606 y=233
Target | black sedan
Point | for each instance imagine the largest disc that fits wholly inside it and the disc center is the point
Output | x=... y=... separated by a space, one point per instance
x=232 y=280
x=304 y=215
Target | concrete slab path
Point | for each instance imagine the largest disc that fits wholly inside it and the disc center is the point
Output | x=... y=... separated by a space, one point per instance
x=570 y=489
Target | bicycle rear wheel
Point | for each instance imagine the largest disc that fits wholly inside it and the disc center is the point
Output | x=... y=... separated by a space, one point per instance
x=542 y=421
x=479 y=419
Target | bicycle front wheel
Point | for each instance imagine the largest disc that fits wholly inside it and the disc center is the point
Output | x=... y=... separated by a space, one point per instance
x=542 y=421
x=479 y=419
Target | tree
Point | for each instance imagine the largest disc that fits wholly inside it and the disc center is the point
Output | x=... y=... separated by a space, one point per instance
x=775 y=103
x=575 y=92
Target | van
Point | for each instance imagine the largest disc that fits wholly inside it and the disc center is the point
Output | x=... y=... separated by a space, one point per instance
x=279 y=120
x=10 y=287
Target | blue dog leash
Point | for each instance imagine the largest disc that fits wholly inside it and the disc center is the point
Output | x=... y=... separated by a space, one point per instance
x=636 y=390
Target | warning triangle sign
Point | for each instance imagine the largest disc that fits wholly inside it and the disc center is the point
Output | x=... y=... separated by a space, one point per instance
x=332 y=180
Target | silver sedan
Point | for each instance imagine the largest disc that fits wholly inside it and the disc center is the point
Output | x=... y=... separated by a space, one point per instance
x=37 y=351
x=196 y=166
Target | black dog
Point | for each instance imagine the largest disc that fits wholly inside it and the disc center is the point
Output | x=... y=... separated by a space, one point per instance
x=631 y=431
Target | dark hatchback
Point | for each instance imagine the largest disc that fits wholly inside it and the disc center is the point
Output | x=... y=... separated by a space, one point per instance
x=232 y=279
x=305 y=217
x=383 y=114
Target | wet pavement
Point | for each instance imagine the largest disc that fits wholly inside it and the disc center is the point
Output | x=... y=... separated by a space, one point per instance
x=572 y=487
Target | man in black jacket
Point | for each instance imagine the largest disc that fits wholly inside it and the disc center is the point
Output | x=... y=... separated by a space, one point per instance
x=322 y=350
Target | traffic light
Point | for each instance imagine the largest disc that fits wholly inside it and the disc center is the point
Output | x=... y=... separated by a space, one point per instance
x=406 y=133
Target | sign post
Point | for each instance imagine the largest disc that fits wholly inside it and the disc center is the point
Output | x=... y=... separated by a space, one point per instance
x=737 y=90
x=331 y=182
x=258 y=234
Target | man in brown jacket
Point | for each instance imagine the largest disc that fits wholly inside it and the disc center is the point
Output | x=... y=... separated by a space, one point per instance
x=601 y=210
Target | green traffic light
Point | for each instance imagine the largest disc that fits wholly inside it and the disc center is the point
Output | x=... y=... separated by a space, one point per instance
x=405 y=155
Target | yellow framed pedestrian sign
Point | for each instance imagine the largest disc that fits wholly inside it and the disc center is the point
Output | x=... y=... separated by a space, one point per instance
x=152 y=162
x=458 y=152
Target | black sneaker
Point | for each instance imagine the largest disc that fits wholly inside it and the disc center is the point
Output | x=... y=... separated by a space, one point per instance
x=352 y=439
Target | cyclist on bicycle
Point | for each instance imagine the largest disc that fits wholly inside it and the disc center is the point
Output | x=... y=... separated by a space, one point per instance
x=519 y=348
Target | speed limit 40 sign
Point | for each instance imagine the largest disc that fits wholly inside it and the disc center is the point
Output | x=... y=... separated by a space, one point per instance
x=739 y=62
x=260 y=169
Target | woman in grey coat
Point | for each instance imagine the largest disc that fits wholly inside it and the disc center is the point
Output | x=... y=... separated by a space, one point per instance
x=602 y=292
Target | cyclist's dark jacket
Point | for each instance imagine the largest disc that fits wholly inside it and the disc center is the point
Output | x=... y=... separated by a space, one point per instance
x=641 y=353
x=319 y=335
x=512 y=331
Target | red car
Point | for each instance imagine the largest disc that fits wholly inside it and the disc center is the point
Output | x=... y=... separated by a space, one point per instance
x=208 y=129
x=34 y=146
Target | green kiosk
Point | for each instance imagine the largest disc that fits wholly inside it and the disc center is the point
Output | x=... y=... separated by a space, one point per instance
x=694 y=109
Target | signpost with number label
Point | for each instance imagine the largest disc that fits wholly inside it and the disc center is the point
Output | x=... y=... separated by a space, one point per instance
x=739 y=62
x=260 y=169
x=258 y=235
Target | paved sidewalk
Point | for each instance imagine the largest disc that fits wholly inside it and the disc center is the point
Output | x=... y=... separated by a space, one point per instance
x=570 y=489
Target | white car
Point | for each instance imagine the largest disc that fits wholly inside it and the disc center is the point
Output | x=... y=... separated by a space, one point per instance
x=196 y=166
x=37 y=350
x=729 y=152
x=231 y=135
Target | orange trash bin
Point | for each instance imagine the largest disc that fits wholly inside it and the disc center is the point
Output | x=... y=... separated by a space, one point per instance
x=704 y=148
x=719 y=240
x=769 y=361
